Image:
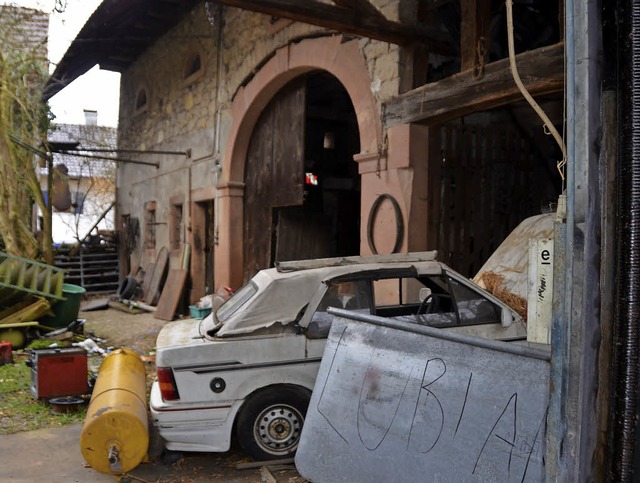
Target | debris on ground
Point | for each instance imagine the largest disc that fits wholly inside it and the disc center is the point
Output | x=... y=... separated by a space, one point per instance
x=90 y=346
x=29 y=290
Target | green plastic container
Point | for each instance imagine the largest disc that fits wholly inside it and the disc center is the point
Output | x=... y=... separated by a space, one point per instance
x=199 y=313
x=66 y=311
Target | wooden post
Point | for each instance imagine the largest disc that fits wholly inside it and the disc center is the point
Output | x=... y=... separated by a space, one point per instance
x=475 y=32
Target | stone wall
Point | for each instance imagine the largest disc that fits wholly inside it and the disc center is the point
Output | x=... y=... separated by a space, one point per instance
x=196 y=115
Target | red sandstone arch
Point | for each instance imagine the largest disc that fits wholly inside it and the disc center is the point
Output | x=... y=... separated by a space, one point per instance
x=343 y=60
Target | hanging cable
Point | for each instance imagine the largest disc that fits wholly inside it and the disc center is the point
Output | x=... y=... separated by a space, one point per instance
x=549 y=127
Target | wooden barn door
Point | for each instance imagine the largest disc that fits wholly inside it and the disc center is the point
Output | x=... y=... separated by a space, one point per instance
x=483 y=181
x=301 y=234
x=274 y=176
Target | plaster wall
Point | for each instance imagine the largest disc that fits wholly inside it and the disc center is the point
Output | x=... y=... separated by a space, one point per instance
x=213 y=115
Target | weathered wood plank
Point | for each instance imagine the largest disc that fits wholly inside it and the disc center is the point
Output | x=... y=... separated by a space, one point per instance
x=541 y=70
x=302 y=235
x=158 y=277
x=274 y=173
x=345 y=20
x=171 y=294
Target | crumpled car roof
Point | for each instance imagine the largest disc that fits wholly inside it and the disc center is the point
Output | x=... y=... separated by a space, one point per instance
x=281 y=296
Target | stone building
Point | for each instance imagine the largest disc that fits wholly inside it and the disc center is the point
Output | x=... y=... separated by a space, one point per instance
x=293 y=139
x=410 y=117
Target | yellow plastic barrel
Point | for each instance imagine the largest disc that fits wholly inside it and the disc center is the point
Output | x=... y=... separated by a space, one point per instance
x=115 y=436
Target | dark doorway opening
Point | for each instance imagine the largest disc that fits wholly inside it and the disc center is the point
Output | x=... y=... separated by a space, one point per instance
x=302 y=187
x=202 y=281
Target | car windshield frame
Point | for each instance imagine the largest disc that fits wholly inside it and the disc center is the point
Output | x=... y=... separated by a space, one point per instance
x=237 y=300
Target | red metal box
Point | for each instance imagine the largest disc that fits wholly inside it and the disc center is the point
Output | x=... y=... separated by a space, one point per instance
x=58 y=372
x=6 y=354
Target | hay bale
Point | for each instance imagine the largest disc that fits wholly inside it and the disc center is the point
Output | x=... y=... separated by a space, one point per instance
x=493 y=283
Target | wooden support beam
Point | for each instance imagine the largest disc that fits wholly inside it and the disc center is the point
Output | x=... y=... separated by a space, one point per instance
x=541 y=70
x=561 y=19
x=345 y=20
x=475 y=33
x=363 y=6
x=414 y=66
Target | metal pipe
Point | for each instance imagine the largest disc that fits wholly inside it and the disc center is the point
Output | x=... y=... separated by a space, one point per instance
x=28 y=147
x=217 y=162
x=117 y=160
x=627 y=300
x=114 y=459
x=186 y=153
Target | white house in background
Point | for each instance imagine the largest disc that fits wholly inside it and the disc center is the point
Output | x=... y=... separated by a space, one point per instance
x=91 y=181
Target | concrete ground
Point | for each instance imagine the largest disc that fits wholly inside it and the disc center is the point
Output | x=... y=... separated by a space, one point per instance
x=53 y=455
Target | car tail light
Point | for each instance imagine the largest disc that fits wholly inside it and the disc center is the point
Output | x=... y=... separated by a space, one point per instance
x=167 y=383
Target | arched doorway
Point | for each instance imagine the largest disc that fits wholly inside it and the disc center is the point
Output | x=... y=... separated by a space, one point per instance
x=335 y=55
x=302 y=187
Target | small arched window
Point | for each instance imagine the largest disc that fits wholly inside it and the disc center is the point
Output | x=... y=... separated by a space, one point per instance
x=194 y=64
x=141 y=100
x=193 y=67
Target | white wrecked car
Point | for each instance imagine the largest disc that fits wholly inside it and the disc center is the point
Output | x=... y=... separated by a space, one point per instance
x=249 y=368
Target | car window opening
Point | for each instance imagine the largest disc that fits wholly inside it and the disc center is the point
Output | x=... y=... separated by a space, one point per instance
x=237 y=300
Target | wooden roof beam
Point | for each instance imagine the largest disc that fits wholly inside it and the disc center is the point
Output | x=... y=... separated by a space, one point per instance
x=345 y=20
x=363 y=6
x=541 y=70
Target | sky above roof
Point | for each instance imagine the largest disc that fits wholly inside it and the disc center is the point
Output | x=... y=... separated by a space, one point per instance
x=97 y=90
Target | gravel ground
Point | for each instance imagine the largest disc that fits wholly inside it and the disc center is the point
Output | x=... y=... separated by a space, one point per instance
x=122 y=329
x=118 y=329
x=112 y=328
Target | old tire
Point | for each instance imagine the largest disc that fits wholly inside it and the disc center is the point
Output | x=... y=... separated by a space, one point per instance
x=270 y=422
x=127 y=288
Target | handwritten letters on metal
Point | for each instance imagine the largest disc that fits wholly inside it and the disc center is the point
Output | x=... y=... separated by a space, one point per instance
x=392 y=405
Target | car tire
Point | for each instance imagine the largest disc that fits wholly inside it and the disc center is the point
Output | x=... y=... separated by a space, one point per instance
x=270 y=422
x=127 y=288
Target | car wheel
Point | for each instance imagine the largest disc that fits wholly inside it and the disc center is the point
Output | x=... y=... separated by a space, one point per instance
x=270 y=422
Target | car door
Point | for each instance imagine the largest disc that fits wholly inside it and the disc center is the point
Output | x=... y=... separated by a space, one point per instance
x=448 y=301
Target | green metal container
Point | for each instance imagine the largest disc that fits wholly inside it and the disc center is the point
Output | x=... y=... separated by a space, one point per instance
x=66 y=311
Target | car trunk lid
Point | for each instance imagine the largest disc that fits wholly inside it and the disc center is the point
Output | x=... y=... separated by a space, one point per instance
x=180 y=333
